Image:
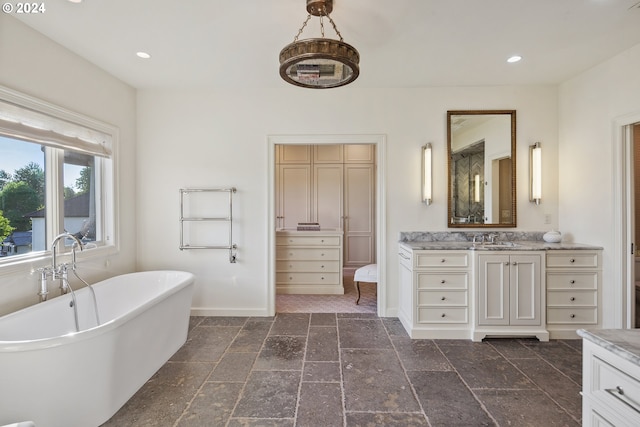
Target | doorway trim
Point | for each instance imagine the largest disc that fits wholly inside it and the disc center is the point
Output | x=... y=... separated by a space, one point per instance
x=380 y=141
x=623 y=271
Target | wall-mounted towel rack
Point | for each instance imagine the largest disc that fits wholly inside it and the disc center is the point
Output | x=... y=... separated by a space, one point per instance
x=228 y=218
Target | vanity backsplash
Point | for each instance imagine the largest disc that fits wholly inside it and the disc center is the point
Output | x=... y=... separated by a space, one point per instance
x=467 y=236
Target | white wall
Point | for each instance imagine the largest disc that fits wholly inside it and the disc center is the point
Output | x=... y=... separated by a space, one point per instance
x=211 y=138
x=589 y=104
x=34 y=65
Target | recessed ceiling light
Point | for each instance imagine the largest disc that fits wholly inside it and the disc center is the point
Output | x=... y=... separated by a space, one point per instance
x=514 y=58
x=143 y=55
x=75 y=1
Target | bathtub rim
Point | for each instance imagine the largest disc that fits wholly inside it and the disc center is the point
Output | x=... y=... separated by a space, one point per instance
x=85 y=334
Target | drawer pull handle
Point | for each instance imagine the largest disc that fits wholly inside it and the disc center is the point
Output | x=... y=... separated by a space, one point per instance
x=572 y=281
x=443 y=315
x=572 y=298
x=403 y=256
x=322 y=266
x=618 y=393
x=442 y=281
x=514 y=263
x=443 y=298
x=322 y=254
x=290 y=278
x=572 y=260
x=322 y=240
x=572 y=316
x=322 y=278
x=442 y=260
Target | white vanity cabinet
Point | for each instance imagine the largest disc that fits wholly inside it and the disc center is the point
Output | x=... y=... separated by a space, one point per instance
x=309 y=262
x=610 y=387
x=510 y=295
x=434 y=293
x=573 y=280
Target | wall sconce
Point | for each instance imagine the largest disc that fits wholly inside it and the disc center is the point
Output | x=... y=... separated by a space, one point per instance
x=535 y=173
x=426 y=174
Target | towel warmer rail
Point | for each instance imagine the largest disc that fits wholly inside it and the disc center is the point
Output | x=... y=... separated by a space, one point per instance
x=232 y=247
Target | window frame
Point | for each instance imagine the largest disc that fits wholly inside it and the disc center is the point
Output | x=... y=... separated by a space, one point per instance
x=54 y=160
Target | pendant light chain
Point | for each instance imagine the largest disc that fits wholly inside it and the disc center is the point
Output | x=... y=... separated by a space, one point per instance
x=335 y=28
x=304 y=24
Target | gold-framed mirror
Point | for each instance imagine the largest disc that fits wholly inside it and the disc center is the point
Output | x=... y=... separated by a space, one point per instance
x=481 y=155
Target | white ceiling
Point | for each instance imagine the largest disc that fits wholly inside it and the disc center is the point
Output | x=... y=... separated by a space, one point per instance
x=402 y=43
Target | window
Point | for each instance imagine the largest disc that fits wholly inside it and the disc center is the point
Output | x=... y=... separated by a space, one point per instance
x=56 y=175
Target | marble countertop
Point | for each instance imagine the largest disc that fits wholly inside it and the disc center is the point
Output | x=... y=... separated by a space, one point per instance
x=623 y=342
x=520 y=245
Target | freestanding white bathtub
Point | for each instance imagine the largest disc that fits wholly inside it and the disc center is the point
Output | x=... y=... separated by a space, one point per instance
x=57 y=377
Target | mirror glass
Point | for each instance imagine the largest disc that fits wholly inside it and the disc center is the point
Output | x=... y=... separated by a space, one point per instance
x=481 y=148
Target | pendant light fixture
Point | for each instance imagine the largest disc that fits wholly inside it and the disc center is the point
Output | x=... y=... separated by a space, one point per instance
x=319 y=63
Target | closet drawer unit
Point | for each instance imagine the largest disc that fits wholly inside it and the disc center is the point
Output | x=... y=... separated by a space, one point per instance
x=308 y=278
x=573 y=280
x=444 y=259
x=572 y=298
x=573 y=259
x=443 y=315
x=571 y=315
x=308 y=240
x=308 y=266
x=444 y=280
x=442 y=298
x=311 y=254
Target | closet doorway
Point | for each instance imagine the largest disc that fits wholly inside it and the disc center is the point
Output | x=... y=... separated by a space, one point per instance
x=337 y=182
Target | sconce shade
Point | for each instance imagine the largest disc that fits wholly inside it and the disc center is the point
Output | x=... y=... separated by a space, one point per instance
x=426 y=174
x=535 y=173
x=476 y=188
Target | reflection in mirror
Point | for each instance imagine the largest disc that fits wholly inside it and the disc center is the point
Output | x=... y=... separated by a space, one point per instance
x=481 y=150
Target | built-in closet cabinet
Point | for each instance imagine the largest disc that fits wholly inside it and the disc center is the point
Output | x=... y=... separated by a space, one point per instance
x=333 y=185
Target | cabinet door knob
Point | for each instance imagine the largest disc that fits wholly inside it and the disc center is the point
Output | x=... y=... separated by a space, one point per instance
x=572 y=260
x=572 y=316
x=514 y=263
x=572 y=298
x=572 y=281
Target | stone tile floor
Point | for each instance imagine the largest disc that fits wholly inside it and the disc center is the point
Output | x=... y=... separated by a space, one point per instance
x=354 y=369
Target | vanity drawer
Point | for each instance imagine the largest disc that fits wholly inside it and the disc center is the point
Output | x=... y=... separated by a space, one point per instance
x=441 y=259
x=443 y=315
x=573 y=280
x=582 y=315
x=619 y=390
x=566 y=259
x=309 y=266
x=406 y=258
x=308 y=278
x=442 y=298
x=442 y=280
x=308 y=240
x=284 y=253
x=572 y=298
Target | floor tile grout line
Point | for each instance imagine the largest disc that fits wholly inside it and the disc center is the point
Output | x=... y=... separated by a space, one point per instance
x=304 y=360
x=251 y=370
x=342 y=391
x=475 y=396
x=206 y=379
x=406 y=376
x=541 y=389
